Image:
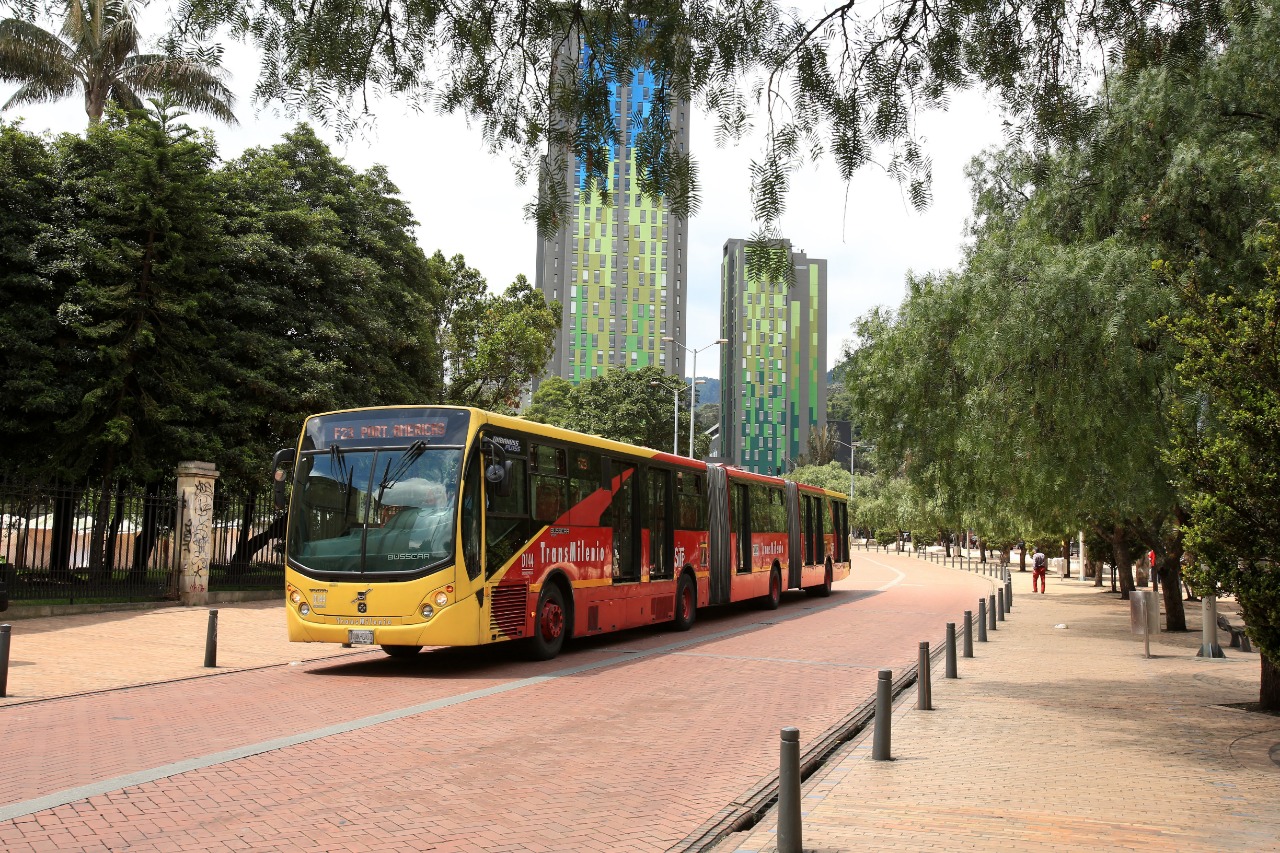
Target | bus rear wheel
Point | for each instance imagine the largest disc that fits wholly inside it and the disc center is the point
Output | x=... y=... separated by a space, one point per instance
x=774 y=598
x=823 y=589
x=401 y=651
x=686 y=603
x=550 y=624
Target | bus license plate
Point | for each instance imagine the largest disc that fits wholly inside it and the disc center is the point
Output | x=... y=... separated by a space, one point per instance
x=360 y=638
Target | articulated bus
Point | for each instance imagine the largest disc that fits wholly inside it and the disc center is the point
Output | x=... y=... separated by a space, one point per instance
x=447 y=526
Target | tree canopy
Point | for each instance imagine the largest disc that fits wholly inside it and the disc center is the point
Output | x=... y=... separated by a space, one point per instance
x=96 y=54
x=845 y=82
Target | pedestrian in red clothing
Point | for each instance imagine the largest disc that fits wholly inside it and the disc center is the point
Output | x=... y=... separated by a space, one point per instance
x=1039 y=570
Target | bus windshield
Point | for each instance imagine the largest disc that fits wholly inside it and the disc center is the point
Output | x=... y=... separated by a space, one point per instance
x=375 y=510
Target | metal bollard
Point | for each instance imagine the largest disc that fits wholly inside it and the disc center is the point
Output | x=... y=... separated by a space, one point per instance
x=968 y=633
x=211 y=640
x=884 y=716
x=1000 y=611
x=982 y=620
x=1008 y=591
x=789 y=792
x=924 y=685
x=5 y=631
x=951 y=650
x=991 y=613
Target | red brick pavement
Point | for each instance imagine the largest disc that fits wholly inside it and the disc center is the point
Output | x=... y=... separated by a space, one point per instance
x=631 y=756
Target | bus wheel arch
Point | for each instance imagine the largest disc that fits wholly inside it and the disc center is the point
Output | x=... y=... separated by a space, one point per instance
x=773 y=597
x=823 y=589
x=686 y=604
x=552 y=618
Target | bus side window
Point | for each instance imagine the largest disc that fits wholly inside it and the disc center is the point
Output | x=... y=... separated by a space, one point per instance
x=584 y=482
x=507 y=522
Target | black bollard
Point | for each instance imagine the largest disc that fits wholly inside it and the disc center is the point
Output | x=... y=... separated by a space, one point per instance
x=884 y=716
x=1008 y=591
x=982 y=620
x=991 y=613
x=924 y=686
x=789 y=792
x=1000 y=611
x=968 y=633
x=951 y=650
x=211 y=641
x=5 y=631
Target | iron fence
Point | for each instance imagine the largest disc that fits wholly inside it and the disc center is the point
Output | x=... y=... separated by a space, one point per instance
x=66 y=544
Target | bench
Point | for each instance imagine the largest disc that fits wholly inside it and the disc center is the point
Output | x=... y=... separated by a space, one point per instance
x=1239 y=639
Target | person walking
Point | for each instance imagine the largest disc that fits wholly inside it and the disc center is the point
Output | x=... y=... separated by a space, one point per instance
x=1039 y=570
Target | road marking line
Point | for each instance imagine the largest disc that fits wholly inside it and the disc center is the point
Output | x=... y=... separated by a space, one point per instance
x=187 y=765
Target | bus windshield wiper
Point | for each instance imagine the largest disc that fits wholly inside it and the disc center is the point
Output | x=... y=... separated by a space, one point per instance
x=410 y=456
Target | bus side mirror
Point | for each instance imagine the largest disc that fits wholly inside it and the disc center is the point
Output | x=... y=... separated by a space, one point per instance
x=282 y=458
x=498 y=472
x=499 y=476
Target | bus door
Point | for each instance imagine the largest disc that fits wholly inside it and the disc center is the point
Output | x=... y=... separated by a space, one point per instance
x=625 y=522
x=659 y=520
x=810 y=529
x=740 y=507
x=793 y=535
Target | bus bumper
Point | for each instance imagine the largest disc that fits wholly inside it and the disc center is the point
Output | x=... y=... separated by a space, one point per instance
x=455 y=625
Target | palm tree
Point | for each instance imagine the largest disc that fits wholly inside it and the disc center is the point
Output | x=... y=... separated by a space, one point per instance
x=97 y=53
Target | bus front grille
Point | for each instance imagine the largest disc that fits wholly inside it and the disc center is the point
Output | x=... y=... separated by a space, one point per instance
x=506 y=610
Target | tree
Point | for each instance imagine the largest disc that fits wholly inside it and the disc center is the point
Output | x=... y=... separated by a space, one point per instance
x=1230 y=463
x=632 y=406
x=140 y=270
x=829 y=476
x=493 y=346
x=840 y=82
x=96 y=53
x=327 y=301
x=35 y=361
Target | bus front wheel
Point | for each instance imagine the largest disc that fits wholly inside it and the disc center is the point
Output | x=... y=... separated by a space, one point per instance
x=550 y=624
x=401 y=651
x=686 y=603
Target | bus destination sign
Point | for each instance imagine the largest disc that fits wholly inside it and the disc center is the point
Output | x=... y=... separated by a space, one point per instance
x=387 y=427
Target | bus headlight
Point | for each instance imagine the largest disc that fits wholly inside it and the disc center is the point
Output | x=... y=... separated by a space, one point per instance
x=428 y=611
x=304 y=608
x=295 y=597
x=442 y=598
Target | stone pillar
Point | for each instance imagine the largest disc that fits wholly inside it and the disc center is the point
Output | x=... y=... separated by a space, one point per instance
x=195 y=530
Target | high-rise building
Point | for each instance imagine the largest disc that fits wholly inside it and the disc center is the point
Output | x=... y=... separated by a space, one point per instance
x=619 y=270
x=773 y=388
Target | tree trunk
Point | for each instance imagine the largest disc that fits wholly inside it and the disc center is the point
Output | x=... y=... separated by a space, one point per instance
x=1175 y=616
x=64 y=517
x=145 y=540
x=1123 y=564
x=1066 y=558
x=113 y=533
x=982 y=551
x=259 y=541
x=1022 y=559
x=1269 y=695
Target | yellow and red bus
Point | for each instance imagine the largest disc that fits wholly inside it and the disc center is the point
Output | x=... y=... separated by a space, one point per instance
x=414 y=526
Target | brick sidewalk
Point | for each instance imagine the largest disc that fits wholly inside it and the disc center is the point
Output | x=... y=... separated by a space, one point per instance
x=1063 y=739
x=67 y=655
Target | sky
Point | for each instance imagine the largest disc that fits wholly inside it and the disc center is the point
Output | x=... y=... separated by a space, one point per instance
x=467 y=200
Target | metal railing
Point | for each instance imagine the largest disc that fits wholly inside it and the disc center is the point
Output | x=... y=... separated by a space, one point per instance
x=80 y=544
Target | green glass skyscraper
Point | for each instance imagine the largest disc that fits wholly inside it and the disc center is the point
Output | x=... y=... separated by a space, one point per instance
x=619 y=269
x=773 y=388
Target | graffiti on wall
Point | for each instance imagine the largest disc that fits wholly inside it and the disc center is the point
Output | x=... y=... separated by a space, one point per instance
x=197 y=537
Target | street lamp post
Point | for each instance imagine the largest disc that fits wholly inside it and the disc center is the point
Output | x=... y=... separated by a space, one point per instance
x=693 y=378
x=675 y=415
